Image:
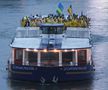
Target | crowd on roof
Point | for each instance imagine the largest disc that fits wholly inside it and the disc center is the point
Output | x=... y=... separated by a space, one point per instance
x=72 y=20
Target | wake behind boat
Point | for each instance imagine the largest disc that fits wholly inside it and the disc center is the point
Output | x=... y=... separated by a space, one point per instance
x=51 y=53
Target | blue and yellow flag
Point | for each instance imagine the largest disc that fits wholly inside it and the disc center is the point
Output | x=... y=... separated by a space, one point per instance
x=70 y=10
x=60 y=6
x=60 y=9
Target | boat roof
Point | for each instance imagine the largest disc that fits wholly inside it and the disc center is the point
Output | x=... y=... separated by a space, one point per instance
x=26 y=43
x=66 y=43
x=74 y=43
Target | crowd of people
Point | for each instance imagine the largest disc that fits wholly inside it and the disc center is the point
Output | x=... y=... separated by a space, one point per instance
x=69 y=21
x=72 y=20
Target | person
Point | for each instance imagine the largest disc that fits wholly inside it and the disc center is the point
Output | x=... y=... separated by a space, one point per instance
x=70 y=10
x=27 y=62
x=27 y=22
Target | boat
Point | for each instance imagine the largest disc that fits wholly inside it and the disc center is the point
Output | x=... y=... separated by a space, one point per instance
x=51 y=53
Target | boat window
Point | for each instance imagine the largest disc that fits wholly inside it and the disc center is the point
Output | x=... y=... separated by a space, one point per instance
x=18 y=56
x=52 y=30
x=59 y=30
x=82 y=57
x=68 y=58
x=49 y=58
x=32 y=58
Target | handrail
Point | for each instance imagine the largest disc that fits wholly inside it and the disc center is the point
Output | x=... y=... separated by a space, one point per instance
x=27 y=32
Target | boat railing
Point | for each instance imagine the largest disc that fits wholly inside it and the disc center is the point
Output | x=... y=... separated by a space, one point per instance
x=77 y=33
x=27 y=32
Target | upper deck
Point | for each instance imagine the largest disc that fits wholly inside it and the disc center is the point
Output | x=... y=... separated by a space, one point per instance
x=51 y=36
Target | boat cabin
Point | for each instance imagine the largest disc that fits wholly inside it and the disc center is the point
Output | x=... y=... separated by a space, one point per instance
x=74 y=57
x=51 y=45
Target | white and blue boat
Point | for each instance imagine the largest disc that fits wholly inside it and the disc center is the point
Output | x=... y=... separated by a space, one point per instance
x=51 y=53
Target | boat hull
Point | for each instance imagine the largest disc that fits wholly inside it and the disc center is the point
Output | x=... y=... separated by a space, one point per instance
x=50 y=74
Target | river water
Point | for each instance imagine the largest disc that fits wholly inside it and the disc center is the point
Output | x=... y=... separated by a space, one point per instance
x=11 y=12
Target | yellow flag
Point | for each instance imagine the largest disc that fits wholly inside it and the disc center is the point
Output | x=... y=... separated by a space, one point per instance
x=70 y=10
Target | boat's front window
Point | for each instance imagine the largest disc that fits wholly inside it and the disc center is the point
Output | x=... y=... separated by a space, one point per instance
x=49 y=58
x=68 y=58
x=52 y=30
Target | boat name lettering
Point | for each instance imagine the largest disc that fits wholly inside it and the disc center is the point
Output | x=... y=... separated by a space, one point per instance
x=74 y=68
x=23 y=68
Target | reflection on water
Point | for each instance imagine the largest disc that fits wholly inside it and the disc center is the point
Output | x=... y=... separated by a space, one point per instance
x=11 y=11
x=76 y=85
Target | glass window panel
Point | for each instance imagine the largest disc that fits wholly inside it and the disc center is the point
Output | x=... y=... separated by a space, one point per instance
x=52 y=30
x=68 y=58
x=49 y=58
x=32 y=57
x=19 y=54
x=82 y=57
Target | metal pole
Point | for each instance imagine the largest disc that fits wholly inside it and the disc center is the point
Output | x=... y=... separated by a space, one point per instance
x=88 y=56
x=60 y=58
x=13 y=55
x=23 y=57
x=38 y=60
x=76 y=57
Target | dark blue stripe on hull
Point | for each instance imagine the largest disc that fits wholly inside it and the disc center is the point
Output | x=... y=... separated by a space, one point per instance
x=51 y=74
